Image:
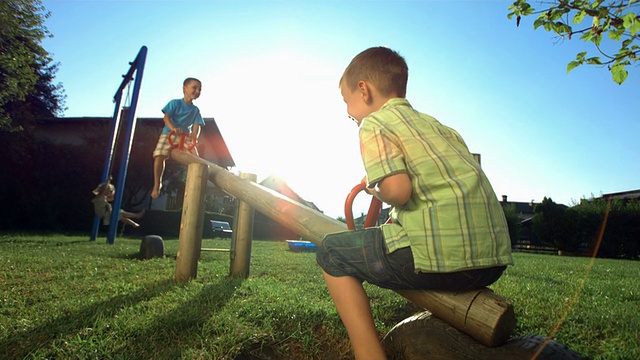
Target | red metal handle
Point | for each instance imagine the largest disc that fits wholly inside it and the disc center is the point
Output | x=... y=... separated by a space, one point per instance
x=181 y=143
x=374 y=208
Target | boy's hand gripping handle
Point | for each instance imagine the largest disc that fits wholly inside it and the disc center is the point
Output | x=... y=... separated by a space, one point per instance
x=180 y=145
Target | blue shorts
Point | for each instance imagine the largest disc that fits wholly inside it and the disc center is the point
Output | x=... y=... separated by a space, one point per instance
x=363 y=255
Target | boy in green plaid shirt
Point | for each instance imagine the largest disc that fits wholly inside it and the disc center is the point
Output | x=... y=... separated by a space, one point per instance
x=447 y=230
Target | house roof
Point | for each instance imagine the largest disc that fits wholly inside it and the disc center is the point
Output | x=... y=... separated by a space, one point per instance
x=631 y=194
x=71 y=130
x=279 y=185
x=521 y=207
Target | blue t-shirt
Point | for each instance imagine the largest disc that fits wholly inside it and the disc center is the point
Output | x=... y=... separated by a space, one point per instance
x=182 y=116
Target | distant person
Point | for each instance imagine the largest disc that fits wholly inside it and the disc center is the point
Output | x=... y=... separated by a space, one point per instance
x=103 y=196
x=447 y=230
x=182 y=117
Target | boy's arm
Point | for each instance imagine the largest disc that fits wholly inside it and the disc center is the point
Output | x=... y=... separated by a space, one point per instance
x=195 y=132
x=394 y=189
x=169 y=124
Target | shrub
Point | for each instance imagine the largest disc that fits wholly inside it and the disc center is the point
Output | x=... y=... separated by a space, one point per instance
x=513 y=221
x=554 y=225
x=621 y=235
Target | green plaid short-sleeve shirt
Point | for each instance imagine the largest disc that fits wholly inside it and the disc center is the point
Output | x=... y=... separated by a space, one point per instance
x=453 y=220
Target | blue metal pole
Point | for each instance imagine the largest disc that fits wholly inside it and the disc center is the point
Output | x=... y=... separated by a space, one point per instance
x=126 y=144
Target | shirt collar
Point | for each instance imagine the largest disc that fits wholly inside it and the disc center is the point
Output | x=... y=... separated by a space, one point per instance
x=395 y=102
x=391 y=103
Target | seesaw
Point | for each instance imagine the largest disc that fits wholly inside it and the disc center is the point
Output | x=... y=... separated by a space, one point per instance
x=480 y=314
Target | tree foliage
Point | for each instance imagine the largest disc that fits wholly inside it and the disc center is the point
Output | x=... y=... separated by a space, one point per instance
x=514 y=221
x=611 y=225
x=608 y=228
x=26 y=69
x=554 y=225
x=594 y=21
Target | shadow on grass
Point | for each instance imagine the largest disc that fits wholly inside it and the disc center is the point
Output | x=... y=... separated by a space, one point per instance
x=182 y=326
x=20 y=344
x=145 y=344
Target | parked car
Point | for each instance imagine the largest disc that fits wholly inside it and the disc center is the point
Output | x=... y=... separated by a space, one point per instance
x=221 y=229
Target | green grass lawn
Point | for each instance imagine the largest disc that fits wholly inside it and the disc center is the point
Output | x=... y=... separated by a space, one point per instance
x=66 y=297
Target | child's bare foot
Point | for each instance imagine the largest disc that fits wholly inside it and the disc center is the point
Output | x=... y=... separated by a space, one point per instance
x=132 y=223
x=128 y=221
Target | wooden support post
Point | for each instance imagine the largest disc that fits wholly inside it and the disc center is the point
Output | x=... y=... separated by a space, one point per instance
x=481 y=314
x=242 y=236
x=190 y=239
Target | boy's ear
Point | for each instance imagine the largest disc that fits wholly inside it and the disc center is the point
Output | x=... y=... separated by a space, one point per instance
x=364 y=91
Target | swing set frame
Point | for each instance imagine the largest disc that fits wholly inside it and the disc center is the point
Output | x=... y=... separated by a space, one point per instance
x=128 y=126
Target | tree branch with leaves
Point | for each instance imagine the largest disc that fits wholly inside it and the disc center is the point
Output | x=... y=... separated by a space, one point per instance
x=615 y=20
x=27 y=70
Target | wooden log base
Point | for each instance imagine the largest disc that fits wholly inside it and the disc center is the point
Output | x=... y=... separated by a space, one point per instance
x=424 y=336
x=483 y=315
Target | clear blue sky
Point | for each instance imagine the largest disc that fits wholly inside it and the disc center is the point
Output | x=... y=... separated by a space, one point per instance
x=270 y=72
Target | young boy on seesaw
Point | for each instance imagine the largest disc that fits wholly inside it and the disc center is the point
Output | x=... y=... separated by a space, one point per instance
x=181 y=116
x=447 y=230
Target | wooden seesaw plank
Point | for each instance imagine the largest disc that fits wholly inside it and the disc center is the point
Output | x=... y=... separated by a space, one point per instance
x=481 y=314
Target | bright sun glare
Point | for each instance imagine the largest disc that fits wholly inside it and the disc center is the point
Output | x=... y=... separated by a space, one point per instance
x=281 y=114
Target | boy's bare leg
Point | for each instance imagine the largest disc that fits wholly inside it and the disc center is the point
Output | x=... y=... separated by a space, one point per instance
x=352 y=304
x=129 y=222
x=158 y=170
x=131 y=215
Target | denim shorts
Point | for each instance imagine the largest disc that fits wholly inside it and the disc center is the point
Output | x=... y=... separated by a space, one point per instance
x=363 y=255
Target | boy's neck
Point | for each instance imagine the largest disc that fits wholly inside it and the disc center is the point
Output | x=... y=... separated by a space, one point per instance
x=378 y=102
x=187 y=100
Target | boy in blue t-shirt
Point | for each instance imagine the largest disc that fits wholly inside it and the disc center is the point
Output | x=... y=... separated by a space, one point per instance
x=182 y=117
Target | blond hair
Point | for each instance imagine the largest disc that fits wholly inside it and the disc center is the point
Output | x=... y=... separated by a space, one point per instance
x=382 y=67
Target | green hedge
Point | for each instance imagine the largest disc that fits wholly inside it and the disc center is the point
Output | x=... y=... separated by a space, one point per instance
x=612 y=227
